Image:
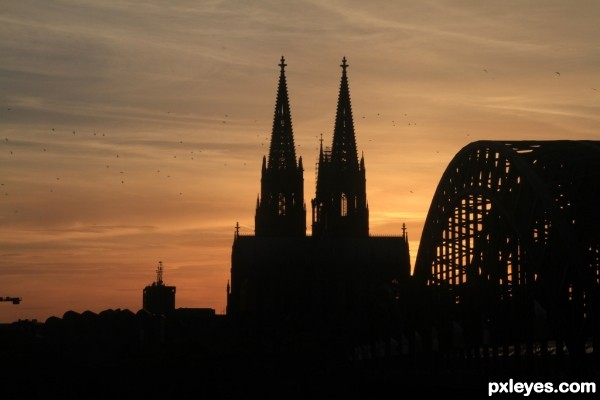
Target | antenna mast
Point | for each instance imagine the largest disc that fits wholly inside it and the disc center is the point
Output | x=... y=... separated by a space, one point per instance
x=159 y=273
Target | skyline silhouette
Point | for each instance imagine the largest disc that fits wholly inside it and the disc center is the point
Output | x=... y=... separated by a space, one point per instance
x=116 y=138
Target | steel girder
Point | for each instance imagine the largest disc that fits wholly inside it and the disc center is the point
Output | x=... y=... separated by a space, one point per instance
x=512 y=241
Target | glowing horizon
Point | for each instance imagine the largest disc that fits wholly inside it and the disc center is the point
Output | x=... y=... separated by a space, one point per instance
x=133 y=133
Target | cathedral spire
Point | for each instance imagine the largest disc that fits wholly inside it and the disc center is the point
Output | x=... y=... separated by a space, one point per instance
x=280 y=210
x=282 y=153
x=343 y=150
x=340 y=205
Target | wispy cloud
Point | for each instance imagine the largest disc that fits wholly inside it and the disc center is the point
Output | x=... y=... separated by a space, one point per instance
x=133 y=131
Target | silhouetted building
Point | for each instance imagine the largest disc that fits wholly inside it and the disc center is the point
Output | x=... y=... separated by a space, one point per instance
x=280 y=209
x=340 y=276
x=340 y=205
x=159 y=298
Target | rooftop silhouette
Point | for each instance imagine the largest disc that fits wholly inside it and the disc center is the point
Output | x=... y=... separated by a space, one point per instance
x=505 y=284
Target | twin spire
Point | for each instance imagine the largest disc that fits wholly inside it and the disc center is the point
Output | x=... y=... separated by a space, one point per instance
x=282 y=151
x=340 y=203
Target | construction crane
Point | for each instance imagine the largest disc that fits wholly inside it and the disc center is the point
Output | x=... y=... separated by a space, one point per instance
x=15 y=300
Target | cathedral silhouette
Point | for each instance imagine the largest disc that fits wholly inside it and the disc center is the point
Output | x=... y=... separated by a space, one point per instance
x=338 y=278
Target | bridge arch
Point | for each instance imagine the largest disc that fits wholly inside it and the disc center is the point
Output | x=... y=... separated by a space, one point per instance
x=511 y=244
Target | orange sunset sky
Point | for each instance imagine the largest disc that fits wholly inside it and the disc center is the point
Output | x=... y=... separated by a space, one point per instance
x=133 y=132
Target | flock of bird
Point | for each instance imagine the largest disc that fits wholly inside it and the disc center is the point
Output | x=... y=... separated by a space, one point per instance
x=52 y=145
x=118 y=158
x=191 y=154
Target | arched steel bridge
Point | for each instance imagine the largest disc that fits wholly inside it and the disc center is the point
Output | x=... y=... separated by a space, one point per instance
x=510 y=249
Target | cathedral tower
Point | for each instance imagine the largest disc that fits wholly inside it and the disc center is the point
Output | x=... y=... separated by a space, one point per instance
x=340 y=207
x=340 y=278
x=280 y=209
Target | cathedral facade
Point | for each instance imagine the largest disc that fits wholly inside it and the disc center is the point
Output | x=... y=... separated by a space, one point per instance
x=340 y=275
